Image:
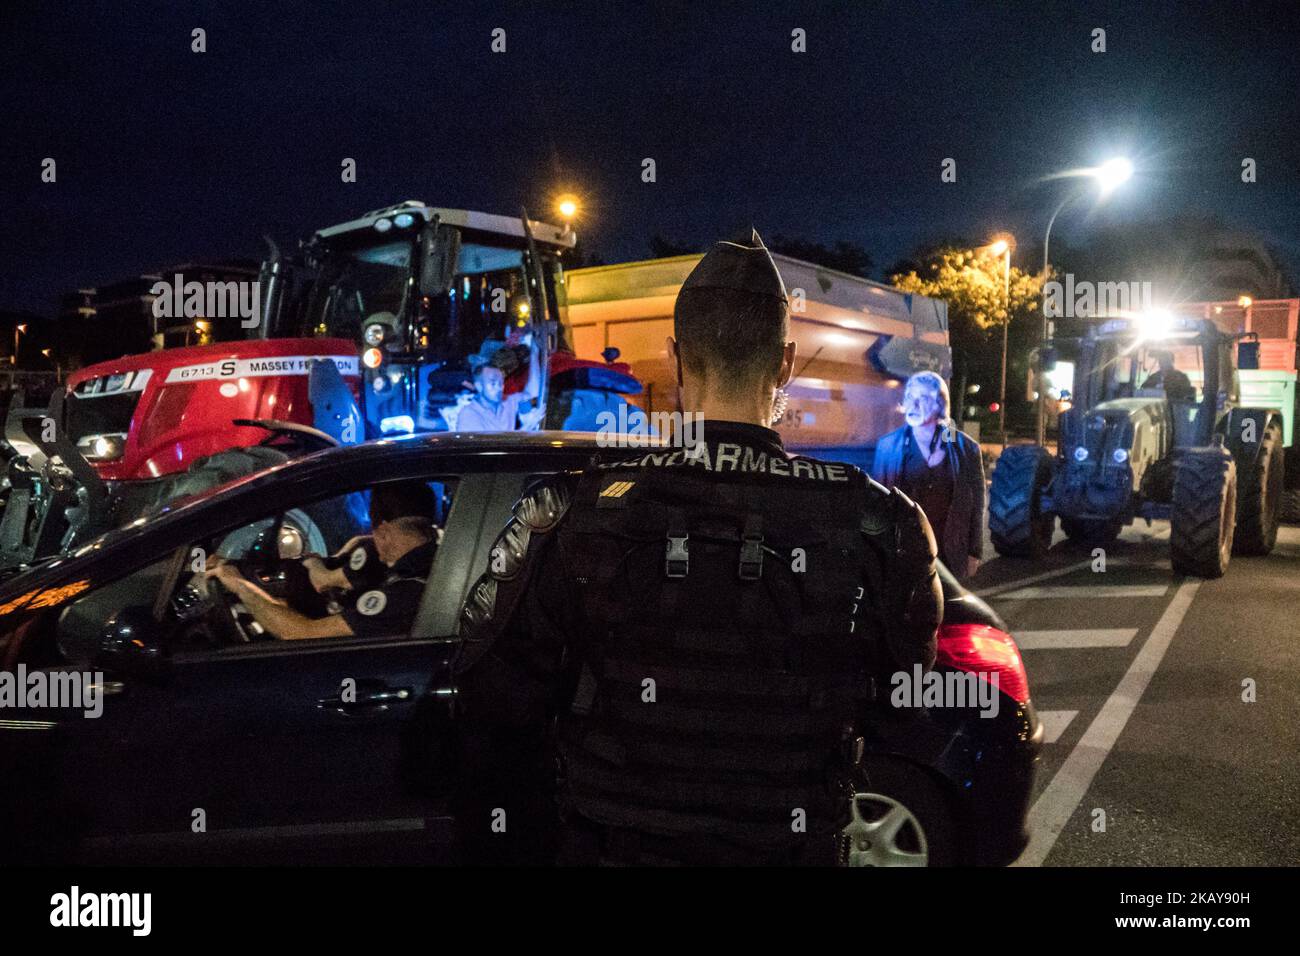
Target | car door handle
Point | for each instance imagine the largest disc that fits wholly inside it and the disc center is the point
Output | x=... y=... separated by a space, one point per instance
x=376 y=699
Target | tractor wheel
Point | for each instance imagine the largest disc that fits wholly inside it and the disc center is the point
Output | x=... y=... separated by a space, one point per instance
x=1259 y=498
x=1018 y=525
x=1204 y=515
x=1091 y=531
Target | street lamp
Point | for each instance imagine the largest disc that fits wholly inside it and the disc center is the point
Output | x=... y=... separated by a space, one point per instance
x=13 y=359
x=567 y=207
x=1109 y=176
x=1002 y=247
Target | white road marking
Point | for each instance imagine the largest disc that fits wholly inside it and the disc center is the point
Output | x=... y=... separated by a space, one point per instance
x=1055 y=722
x=1068 y=592
x=1053 y=809
x=1059 y=640
x=1141 y=560
x=1032 y=579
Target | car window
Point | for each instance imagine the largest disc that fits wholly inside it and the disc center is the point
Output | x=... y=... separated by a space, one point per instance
x=168 y=605
x=320 y=559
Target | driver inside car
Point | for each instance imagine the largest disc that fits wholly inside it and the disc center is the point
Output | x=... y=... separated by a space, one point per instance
x=404 y=540
x=354 y=566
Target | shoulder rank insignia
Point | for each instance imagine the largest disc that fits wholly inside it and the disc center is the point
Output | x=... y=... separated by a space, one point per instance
x=614 y=494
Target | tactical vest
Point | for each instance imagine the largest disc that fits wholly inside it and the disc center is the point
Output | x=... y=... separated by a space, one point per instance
x=732 y=636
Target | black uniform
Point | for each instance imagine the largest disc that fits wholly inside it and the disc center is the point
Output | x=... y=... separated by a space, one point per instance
x=360 y=565
x=389 y=606
x=691 y=637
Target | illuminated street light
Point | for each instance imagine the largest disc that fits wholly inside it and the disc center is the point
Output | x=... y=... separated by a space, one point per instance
x=567 y=207
x=1112 y=174
x=1108 y=176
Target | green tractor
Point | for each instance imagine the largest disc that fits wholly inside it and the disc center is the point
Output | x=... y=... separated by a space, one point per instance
x=1128 y=450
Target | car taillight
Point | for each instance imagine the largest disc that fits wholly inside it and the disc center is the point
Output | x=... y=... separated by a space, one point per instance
x=982 y=650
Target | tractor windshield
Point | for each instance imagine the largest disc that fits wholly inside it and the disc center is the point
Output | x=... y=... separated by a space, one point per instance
x=423 y=325
x=357 y=283
x=1131 y=369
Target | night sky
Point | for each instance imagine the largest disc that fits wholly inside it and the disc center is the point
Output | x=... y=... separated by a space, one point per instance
x=166 y=156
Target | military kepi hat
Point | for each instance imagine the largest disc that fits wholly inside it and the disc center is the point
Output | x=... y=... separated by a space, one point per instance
x=744 y=266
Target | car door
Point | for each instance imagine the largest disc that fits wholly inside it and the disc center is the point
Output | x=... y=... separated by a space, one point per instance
x=311 y=751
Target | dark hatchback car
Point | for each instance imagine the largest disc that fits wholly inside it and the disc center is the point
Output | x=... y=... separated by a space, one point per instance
x=216 y=742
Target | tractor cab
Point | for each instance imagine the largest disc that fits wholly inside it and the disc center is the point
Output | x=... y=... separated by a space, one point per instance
x=1150 y=370
x=429 y=295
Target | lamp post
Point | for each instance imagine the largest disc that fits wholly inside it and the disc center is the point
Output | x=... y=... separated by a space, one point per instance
x=1002 y=247
x=1109 y=176
x=13 y=359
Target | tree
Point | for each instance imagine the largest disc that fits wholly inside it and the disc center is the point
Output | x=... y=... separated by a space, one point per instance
x=971 y=282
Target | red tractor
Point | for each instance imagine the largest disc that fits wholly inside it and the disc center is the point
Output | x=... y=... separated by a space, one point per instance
x=370 y=329
x=123 y=437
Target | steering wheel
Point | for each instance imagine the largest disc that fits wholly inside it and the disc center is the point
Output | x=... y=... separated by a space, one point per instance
x=225 y=619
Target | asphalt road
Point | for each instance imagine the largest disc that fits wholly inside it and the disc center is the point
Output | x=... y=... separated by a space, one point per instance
x=1152 y=755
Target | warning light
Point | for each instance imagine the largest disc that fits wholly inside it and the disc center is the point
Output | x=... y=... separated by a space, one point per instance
x=372 y=358
x=994 y=406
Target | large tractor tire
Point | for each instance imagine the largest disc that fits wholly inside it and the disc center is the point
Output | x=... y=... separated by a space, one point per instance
x=1017 y=523
x=1093 y=532
x=1204 y=516
x=1259 y=497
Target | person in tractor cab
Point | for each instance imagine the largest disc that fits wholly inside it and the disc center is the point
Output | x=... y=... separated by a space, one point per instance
x=491 y=410
x=1177 y=386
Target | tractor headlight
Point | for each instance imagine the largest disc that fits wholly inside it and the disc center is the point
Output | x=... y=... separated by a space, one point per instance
x=1081 y=454
x=1120 y=455
x=102 y=447
x=403 y=220
x=383 y=225
x=374 y=334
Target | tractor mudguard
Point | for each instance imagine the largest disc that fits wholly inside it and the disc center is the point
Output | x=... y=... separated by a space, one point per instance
x=1248 y=423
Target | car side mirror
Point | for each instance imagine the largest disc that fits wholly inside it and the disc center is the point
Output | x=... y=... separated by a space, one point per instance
x=1248 y=356
x=440 y=246
x=131 y=645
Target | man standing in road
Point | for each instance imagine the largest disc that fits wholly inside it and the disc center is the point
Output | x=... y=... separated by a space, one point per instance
x=677 y=650
x=939 y=467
